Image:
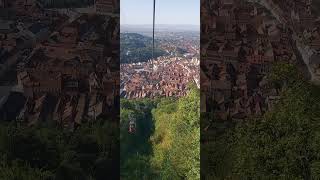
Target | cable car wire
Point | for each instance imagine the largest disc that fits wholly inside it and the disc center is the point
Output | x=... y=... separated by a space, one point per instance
x=153 y=27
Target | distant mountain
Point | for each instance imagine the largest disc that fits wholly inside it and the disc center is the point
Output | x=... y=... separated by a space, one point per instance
x=137 y=48
x=159 y=27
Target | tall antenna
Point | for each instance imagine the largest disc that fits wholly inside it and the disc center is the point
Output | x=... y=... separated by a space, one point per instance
x=154 y=18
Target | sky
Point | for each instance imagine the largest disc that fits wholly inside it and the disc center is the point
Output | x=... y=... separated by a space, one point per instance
x=173 y=12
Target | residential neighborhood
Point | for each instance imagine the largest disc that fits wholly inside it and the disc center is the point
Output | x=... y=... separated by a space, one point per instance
x=241 y=40
x=60 y=64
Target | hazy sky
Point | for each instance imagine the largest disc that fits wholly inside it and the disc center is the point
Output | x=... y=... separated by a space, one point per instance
x=167 y=12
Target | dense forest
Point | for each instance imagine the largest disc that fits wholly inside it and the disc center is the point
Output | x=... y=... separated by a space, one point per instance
x=166 y=143
x=49 y=153
x=137 y=48
x=283 y=144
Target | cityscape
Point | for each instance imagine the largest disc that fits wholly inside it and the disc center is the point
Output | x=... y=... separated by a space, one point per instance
x=61 y=62
x=151 y=89
x=259 y=65
x=157 y=90
x=169 y=74
x=241 y=41
x=59 y=84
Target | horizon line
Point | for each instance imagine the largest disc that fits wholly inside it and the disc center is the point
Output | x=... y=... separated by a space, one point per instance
x=160 y=24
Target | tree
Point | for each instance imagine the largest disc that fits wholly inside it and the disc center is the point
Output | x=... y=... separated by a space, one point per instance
x=284 y=143
x=48 y=153
x=176 y=142
x=16 y=171
x=136 y=149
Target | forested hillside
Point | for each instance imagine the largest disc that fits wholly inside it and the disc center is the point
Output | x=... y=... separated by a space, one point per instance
x=49 y=153
x=166 y=143
x=283 y=144
x=137 y=48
